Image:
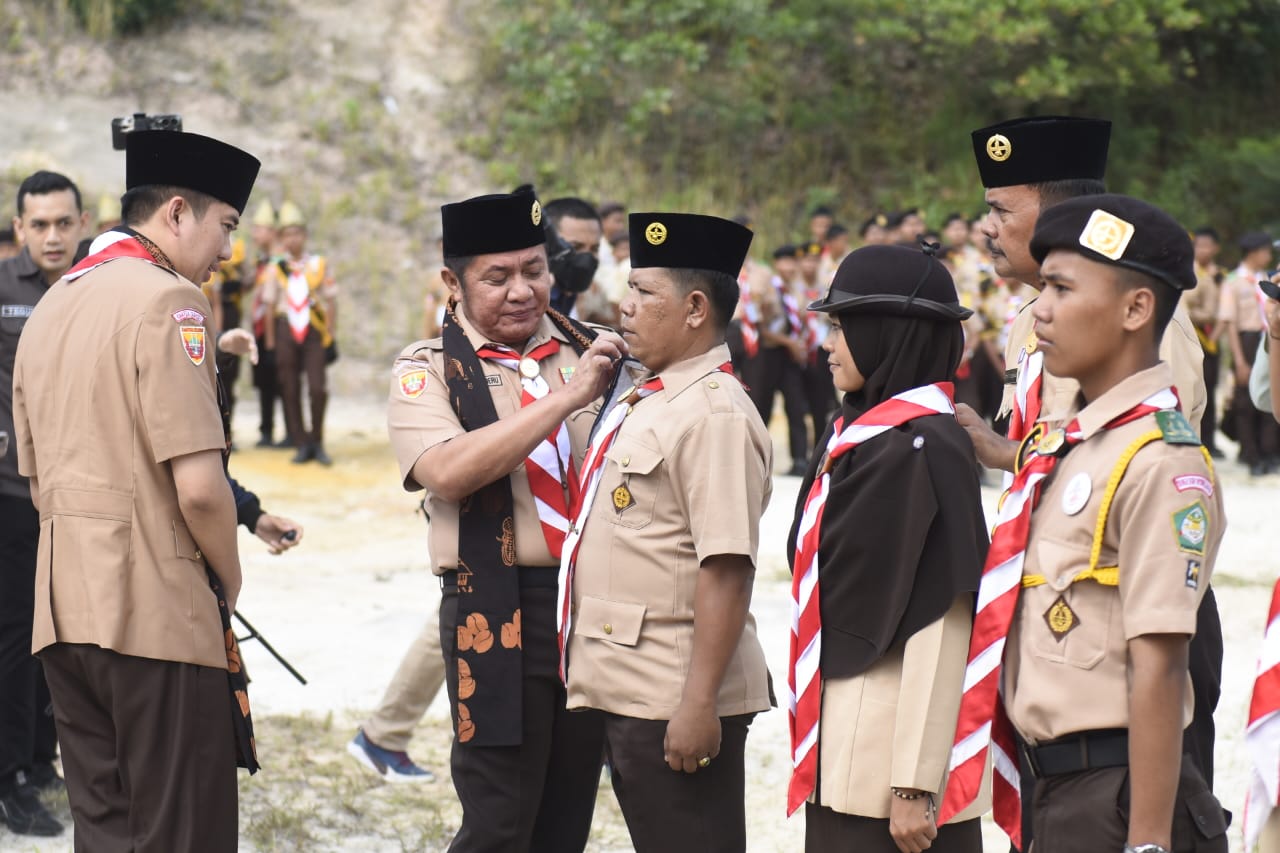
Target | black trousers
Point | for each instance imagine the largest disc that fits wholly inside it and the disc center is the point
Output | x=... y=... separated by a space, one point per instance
x=1209 y=423
x=28 y=735
x=829 y=831
x=539 y=796
x=819 y=392
x=266 y=379
x=1258 y=432
x=1088 y=812
x=148 y=751
x=772 y=370
x=669 y=811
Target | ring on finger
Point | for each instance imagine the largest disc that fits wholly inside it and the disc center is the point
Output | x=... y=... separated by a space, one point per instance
x=704 y=761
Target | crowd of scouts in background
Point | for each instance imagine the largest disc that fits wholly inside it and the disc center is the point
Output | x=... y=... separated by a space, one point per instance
x=910 y=716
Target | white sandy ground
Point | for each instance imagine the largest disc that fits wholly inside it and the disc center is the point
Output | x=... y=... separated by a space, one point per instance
x=345 y=605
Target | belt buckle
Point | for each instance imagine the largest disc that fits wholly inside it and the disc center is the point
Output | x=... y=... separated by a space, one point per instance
x=1029 y=753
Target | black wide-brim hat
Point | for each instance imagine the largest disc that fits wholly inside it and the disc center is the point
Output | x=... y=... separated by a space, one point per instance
x=491 y=224
x=689 y=241
x=190 y=161
x=897 y=281
x=1040 y=149
x=1120 y=231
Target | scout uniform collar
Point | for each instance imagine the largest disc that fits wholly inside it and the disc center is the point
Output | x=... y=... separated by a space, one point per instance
x=1122 y=398
x=683 y=374
x=545 y=331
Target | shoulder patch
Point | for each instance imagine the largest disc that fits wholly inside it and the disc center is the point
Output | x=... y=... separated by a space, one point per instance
x=188 y=315
x=1191 y=528
x=193 y=340
x=1175 y=428
x=1199 y=482
x=413 y=383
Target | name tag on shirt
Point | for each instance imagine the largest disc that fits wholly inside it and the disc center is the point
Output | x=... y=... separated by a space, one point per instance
x=8 y=311
x=493 y=380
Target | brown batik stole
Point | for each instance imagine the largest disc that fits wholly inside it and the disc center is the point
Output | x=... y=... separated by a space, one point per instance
x=487 y=667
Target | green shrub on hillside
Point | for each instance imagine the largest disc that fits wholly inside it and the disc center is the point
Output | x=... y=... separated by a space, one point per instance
x=105 y=18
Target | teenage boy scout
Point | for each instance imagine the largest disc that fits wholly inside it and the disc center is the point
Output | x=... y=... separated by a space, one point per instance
x=659 y=584
x=118 y=429
x=1120 y=551
x=492 y=419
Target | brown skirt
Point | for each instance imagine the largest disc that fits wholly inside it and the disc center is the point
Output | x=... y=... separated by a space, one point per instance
x=828 y=831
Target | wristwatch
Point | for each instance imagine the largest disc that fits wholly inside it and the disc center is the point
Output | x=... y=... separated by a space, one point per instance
x=1144 y=848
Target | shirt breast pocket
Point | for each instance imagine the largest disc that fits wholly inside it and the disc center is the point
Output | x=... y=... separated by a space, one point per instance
x=1071 y=622
x=630 y=485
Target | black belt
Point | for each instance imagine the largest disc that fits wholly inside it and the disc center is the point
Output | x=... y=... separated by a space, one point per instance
x=1078 y=752
x=531 y=577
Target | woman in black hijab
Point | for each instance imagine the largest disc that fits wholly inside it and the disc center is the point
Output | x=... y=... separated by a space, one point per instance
x=899 y=551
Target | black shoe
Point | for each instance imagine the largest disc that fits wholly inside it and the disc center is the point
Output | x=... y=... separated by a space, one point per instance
x=1257 y=469
x=24 y=814
x=318 y=454
x=45 y=778
x=285 y=443
x=265 y=441
x=306 y=452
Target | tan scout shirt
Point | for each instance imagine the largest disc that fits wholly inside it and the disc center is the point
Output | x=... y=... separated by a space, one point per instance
x=893 y=725
x=1179 y=347
x=1238 y=301
x=1163 y=532
x=1202 y=301
x=114 y=378
x=695 y=459
x=420 y=417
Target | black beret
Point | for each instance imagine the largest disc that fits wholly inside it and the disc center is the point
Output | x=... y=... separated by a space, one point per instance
x=192 y=162
x=489 y=224
x=1045 y=148
x=688 y=241
x=786 y=251
x=1121 y=231
x=878 y=219
x=894 y=280
x=1254 y=240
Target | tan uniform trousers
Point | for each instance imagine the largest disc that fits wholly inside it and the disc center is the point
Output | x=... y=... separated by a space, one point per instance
x=415 y=684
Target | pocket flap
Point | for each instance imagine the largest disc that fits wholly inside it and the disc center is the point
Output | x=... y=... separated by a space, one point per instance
x=1207 y=814
x=184 y=544
x=615 y=621
x=633 y=458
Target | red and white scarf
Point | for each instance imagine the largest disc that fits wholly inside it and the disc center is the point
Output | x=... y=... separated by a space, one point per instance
x=110 y=246
x=804 y=677
x=550 y=465
x=982 y=723
x=1262 y=736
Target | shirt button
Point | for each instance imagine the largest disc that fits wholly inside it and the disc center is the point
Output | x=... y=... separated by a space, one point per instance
x=626 y=460
x=1060 y=584
x=199 y=556
x=713 y=384
x=608 y=628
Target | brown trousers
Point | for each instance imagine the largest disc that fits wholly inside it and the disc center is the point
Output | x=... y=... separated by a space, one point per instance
x=147 y=750
x=830 y=831
x=673 y=812
x=293 y=360
x=1089 y=811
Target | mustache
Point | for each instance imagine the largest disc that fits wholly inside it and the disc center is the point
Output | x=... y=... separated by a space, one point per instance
x=993 y=248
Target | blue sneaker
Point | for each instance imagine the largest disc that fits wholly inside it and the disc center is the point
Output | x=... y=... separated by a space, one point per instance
x=391 y=766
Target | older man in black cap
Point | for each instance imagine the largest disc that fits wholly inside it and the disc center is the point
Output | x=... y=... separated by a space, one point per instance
x=492 y=419
x=118 y=429
x=657 y=571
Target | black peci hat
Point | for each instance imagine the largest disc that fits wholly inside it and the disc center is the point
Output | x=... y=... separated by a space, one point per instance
x=190 y=161
x=489 y=224
x=894 y=280
x=1121 y=231
x=784 y=251
x=1040 y=149
x=688 y=241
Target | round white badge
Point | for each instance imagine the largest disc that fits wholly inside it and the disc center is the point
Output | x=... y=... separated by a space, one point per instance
x=1077 y=493
x=528 y=368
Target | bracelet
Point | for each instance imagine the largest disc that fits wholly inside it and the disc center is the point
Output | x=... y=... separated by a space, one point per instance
x=897 y=792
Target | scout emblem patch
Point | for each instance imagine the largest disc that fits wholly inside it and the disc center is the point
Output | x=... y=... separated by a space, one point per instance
x=1191 y=526
x=413 y=383
x=193 y=343
x=535 y=214
x=1193 y=574
x=622 y=498
x=1106 y=234
x=1176 y=429
x=1061 y=619
x=655 y=233
x=1051 y=443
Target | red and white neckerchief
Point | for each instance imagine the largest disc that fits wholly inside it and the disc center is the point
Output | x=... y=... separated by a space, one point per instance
x=110 y=246
x=297 y=295
x=550 y=464
x=1262 y=735
x=1027 y=393
x=748 y=318
x=804 y=678
x=982 y=723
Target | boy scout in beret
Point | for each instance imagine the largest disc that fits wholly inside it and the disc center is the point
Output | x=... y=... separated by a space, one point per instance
x=1126 y=517
x=491 y=419
x=657 y=571
x=118 y=429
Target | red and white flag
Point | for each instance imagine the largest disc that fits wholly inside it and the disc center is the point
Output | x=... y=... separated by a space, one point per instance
x=1262 y=736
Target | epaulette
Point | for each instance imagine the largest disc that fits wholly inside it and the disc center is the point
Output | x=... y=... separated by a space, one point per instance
x=1175 y=428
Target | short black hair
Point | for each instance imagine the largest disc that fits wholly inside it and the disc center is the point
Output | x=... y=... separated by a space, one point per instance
x=821 y=210
x=1166 y=296
x=720 y=287
x=836 y=230
x=570 y=206
x=43 y=183
x=138 y=204
x=1208 y=231
x=952 y=217
x=458 y=266
x=609 y=208
x=1053 y=192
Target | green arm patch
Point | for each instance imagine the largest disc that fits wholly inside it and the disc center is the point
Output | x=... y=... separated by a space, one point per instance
x=1175 y=428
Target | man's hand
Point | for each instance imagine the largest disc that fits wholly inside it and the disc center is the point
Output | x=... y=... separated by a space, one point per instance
x=693 y=733
x=911 y=822
x=239 y=342
x=595 y=369
x=1242 y=371
x=272 y=529
x=992 y=449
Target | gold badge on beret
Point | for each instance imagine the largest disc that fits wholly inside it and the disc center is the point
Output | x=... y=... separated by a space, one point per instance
x=536 y=213
x=1106 y=234
x=1061 y=619
x=999 y=147
x=622 y=498
x=656 y=233
x=882 y=220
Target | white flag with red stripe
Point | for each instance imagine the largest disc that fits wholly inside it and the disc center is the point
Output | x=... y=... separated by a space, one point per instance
x=1262 y=737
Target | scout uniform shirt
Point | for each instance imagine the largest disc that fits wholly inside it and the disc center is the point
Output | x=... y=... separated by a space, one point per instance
x=1180 y=347
x=114 y=378
x=1066 y=661
x=22 y=285
x=420 y=416
x=1240 y=301
x=686 y=478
